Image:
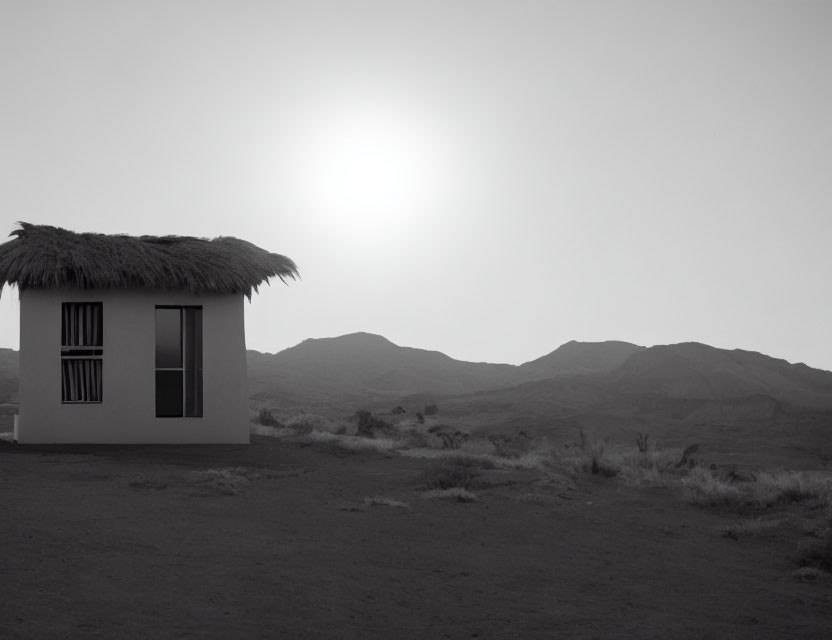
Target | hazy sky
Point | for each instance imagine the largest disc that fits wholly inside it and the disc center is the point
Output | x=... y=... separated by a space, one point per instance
x=488 y=179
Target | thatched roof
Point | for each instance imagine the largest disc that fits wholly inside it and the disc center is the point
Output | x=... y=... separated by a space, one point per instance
x=48 y=257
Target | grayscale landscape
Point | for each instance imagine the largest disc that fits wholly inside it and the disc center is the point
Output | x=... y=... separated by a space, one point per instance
x=602 y=490
x=415 y=319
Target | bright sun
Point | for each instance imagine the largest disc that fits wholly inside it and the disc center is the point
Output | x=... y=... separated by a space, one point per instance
x=369 y=170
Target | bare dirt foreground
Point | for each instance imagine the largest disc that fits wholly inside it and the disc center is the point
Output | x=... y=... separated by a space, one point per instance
x=280 y=540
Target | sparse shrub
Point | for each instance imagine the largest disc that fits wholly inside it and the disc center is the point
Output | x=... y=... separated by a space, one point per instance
x=443 y=438
x=420 y=418
x=757 y=490
x=643 y=442
x=369 y=425
x=458 y=472
x=686 y=459
x=816 y=554
x=431 y=410
x=704 y=489
x=651 y=465
x=378 y=501
x=770 y=488
x=415 y=439
x=596 y=462
x=266 y=418
x=512 y=446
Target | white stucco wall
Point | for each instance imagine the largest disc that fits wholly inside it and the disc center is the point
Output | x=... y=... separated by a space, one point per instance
x=128 y=411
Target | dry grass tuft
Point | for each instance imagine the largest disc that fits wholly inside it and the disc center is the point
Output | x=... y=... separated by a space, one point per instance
x=592 y=456
x=226 y=481
x=457 y=494
x=378 y=501
x=459 y=472
x=702 y=488
x=809 y=574
x=749 y=528
x=783 y=487
x=761 y=490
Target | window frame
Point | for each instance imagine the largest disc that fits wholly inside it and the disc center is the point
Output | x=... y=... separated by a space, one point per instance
x=93 y=353
x=184 y=361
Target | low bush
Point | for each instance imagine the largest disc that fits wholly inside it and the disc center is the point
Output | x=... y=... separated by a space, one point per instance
x=592 y=456
x=414 y=439
x=512 y=446
x=702 y=488
x=266 y=418
x=444 y=437
x=459 y=472
x=369 y=426
x=757 y=490
x=815 y=554
x=770 y=488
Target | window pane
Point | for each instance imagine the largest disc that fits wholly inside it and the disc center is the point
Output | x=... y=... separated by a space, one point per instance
x=193 y=362
x=81 y=324
x=168 y=394
x=168 y=338
x=80 y=380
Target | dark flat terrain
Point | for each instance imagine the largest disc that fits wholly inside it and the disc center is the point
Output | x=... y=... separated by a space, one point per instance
x=276 y=540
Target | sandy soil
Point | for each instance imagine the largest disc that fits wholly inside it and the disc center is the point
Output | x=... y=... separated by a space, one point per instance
x=278 y=540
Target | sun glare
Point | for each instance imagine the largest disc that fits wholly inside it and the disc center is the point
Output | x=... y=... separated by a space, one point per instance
x=369 y=170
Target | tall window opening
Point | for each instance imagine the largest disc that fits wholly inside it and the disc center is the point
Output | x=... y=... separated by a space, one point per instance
x=82 y=341
x=178 y=362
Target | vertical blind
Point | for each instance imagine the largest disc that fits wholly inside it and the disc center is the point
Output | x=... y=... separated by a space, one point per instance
x=81 y=379
x=81 y=325
x=81 y=367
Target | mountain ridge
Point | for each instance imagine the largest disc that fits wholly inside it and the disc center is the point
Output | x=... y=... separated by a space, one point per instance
x=368 y=370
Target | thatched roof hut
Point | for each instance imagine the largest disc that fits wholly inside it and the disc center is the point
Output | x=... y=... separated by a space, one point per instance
x=43 y=256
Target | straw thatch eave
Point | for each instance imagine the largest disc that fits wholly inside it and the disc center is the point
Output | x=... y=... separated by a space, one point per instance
x=45 y=257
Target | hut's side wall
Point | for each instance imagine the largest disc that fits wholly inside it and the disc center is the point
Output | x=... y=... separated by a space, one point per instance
x=127 y=413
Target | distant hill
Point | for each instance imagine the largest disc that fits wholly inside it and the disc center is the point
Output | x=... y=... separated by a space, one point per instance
x=364 y=366
x=685 y=393
x=694 y=370
x=688 y=373
x=363 y=369
x=579 y=357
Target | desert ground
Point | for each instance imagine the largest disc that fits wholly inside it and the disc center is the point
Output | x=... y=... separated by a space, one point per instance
x=304 y=537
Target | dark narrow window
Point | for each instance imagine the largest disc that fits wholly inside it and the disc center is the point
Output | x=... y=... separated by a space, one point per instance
x=178 y=362
x=82 y=341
